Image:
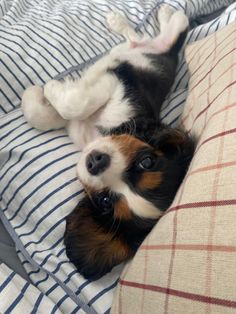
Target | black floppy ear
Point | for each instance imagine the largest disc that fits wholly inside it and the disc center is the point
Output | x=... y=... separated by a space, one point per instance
x=93 y=250
x=173 y=142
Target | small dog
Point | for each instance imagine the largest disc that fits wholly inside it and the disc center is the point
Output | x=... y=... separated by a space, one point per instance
x=131 y=165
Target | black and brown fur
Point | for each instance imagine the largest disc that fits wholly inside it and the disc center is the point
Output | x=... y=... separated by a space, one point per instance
x=96 y=239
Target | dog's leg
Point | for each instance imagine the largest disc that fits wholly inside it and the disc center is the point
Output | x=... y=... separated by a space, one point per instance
x=172 y=24
x=119 y=24
x=38 y=111
x=80 y=99
x=164 y=14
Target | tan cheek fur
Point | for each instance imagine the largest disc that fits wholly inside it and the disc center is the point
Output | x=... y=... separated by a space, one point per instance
x=121 y=210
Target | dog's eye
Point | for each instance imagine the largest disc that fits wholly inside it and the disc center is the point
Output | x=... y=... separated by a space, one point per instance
x=147 y=163
x=105 y=204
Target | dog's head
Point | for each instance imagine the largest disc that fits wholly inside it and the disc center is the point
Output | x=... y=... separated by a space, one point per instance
x=129 y=181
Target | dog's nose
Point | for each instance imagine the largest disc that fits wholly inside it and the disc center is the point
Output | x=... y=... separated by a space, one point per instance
x=97 y=162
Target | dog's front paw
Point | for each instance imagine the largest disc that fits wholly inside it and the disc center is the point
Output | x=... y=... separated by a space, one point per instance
x=164 y=13
x=64 y=97
x=116 y=22
x=56 y=93
x=38 y=110
x=52 y=90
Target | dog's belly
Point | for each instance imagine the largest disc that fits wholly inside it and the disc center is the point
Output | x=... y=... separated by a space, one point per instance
x=117 y=111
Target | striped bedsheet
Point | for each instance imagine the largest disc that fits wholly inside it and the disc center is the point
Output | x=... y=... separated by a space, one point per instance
x=40 y=40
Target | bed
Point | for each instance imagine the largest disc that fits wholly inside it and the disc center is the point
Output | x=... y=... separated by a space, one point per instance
x=41 y=40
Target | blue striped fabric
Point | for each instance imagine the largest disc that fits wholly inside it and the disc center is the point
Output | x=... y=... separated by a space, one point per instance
x=21 y=297
x=40 y=40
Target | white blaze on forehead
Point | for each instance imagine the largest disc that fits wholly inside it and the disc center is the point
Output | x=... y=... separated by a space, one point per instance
x=111 y=178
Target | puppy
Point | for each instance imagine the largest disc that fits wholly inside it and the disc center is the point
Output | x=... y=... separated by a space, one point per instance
x=131 y=165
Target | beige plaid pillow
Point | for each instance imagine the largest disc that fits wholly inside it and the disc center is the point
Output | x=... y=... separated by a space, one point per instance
x=188 y=262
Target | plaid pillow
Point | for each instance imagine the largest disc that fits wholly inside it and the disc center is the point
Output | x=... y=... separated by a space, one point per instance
x=187 y=264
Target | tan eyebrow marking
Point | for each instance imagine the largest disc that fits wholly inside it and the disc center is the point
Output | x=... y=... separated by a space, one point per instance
x=129 y=145
x=150 y=180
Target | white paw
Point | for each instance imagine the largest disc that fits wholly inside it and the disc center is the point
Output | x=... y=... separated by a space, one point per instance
x=38 y=111
x=117 y=22
x=52 y=89
x=164 y=14
x=181 y=21
x=33 y=97
x=63 y=97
